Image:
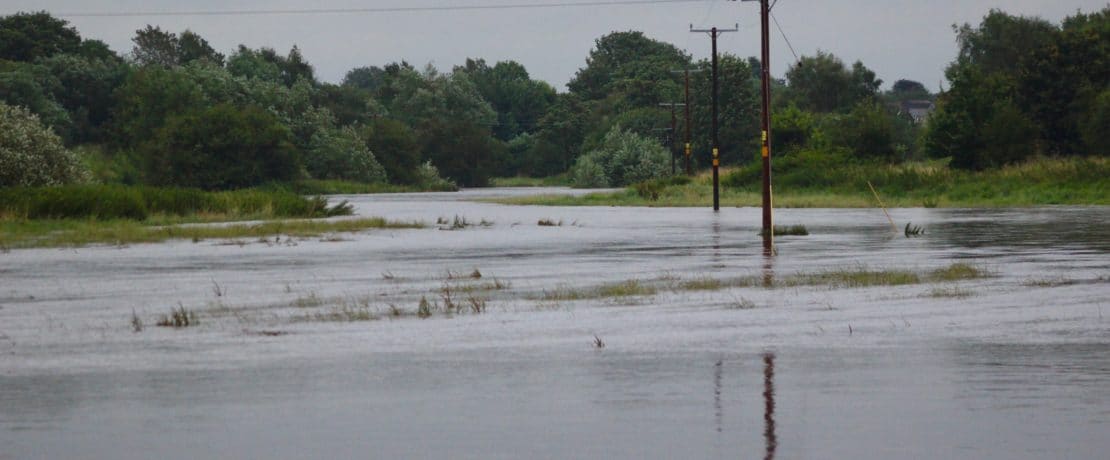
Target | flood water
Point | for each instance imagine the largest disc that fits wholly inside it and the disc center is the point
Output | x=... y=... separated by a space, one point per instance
x=1014 y=365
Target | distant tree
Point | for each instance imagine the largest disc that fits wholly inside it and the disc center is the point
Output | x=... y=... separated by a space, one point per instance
x=147 y=98
x=25 y=37
x=518 y=100
x=395 y=147
x=341 y=153
x=561 y=132
x=32 y=155
x=822 y=83
x=631 y=64
x=85 y=87
x=738 y=111
x=249 y=63
x=27 y=86
x=154 y=46
x=365 y=78
x=222 y=147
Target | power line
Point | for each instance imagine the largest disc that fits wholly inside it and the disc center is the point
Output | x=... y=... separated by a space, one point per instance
x=400 y=9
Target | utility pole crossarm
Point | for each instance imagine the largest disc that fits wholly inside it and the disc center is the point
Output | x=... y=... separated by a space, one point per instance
x=713 y=34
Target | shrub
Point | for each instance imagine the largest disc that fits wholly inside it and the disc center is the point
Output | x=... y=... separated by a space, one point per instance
x=624 y=158
x=31 y=154
x=427 y=176
x=342 y=154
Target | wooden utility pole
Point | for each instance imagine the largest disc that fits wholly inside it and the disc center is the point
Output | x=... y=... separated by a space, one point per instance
x=674 y=133
x=765 y=73
x=686 y=104
x=713 y=34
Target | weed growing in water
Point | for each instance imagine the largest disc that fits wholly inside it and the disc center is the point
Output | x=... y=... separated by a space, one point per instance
x=741 y=303
x=475 y=274
x=783 y=230
x=424 y=310
x=1049 y=282
x=953 y=292
x=958 y=271
x=598 y=343
x=913 y=230
x=477 y=304
x=309 y=301
x=549 y=223
x=136 y=322
x=178 y=318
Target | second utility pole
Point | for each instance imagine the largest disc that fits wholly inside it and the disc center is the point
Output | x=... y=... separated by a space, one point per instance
x=687 y=72
x=713 y=33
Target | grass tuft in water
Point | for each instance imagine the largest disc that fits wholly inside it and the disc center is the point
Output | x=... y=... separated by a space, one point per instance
x=958 y=272
x=178 y=318
x=783 y=230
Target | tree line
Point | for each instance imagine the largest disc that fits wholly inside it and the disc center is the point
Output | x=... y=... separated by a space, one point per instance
x=175 y=111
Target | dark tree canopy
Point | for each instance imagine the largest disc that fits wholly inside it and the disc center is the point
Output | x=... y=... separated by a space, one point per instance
x=822 y=83
x=28 y=36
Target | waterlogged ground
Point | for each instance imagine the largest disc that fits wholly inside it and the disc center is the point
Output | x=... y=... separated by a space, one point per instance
x=319 y=348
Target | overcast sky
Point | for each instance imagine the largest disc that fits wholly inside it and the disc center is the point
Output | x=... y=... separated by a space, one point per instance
x=896 y=38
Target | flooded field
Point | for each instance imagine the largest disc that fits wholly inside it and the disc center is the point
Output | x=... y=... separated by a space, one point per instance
x=600 y=333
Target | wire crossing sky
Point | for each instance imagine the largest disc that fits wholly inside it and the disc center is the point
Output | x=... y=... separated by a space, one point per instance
x=401 y=9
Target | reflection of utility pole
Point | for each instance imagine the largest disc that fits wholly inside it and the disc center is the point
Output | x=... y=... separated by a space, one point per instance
x=674 y=135
x=713 y=34
x=769 y=436
x=768 y=223
x=686 y=104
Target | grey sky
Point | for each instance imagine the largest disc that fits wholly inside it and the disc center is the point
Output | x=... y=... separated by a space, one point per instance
x=897 y=38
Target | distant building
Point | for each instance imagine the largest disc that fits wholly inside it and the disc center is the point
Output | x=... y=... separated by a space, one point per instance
x=917 y=109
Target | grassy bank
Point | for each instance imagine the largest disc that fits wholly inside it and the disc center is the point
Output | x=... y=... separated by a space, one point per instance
x=115 y=214
x=811 y=182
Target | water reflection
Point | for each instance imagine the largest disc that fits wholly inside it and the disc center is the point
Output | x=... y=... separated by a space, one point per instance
x=719 y=412
x=769 y=405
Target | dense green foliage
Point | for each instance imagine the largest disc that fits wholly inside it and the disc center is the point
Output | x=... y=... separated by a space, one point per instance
x=177 y=112
x=1021 y=87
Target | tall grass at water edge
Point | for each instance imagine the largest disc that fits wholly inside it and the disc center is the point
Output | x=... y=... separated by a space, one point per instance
x=107 y=202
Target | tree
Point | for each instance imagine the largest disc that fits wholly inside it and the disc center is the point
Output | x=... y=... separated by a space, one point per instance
x=154 y=46
x=365 y=78
x=340 y=153
x=633 y=65
x=905 y=90
x=221 y=147
x=518 y=100
x=822 y=83
x=25 y=37
x=394 y=145
x=738 y=111
x=23 y=86
x=84 y=88
x=561 y=132
x=147 y=98
x=32 y=155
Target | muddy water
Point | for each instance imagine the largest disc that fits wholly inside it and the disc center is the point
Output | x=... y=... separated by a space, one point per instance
x=1016 y=365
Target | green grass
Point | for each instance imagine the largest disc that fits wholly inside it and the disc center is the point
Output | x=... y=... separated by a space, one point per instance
x=339 y=187
x=562 y=180
x=73 y=232
x=810 y=180
x=106 y=202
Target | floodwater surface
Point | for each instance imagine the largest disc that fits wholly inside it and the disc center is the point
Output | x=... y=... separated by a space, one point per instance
x=611 y=333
